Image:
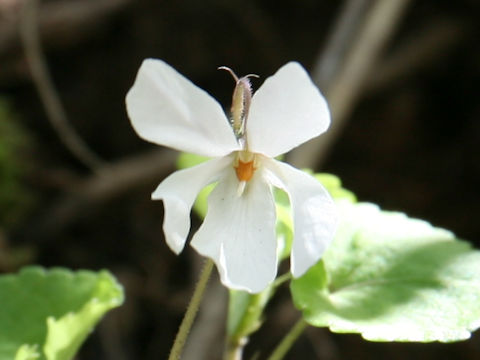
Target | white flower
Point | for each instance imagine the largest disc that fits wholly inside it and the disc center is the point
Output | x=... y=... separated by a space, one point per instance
x=238 y=232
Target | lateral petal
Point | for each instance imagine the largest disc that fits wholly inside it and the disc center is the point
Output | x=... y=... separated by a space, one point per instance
x=238 y=233
x=179 y=191
x=286 y=111
x=166 y=108
x=314 y=213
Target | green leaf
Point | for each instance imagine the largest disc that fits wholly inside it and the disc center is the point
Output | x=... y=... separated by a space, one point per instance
x=27 y=352
x=393 y=278
x=186 y=160
x=47 y=314
x=334 y=186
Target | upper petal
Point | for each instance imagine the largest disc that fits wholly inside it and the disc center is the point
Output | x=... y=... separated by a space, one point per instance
x=168 y=109
x=286 y=111
x=314 y=214
x=238 y=233
x=178 y=192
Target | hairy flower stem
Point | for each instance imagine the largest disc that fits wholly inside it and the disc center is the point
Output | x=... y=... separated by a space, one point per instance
x=289 y=339
x=191 y=312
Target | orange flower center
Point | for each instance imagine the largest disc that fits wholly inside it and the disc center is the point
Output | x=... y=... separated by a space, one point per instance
x=244 y=170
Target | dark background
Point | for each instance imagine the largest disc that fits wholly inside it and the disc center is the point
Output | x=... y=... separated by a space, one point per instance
x=409 y=144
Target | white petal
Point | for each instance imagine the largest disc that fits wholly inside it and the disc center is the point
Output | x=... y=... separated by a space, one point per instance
x=178 y=192
x=168 y=109
x=314 y=213
x=238 y=233
x=286 y=111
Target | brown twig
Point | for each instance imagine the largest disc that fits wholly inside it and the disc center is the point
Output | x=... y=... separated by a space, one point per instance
x=48 y=94
x=379 y=24
x=75 y=18
x=339 y=43
x=431 y=42
x=110 y=182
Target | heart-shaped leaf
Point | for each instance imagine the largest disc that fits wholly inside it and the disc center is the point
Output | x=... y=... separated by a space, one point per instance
x=392 y=278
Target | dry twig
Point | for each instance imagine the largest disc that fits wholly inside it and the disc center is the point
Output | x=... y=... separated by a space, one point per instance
x=48 y=94
x=379 y=24
x=430 y=43
x=75 y=18
x=339 y=43
x=110 y=182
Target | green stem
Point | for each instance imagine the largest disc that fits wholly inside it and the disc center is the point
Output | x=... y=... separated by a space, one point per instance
x=234 y=349
x=251 y=319
x=237 y=337
x=282 y=278
x=192 y=309
x=289 y=339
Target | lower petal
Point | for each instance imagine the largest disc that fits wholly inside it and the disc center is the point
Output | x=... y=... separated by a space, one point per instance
x=314 y=213
x=178 y=192
x=238 y=233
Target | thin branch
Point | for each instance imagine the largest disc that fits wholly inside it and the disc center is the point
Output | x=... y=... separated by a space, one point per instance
x=435 y=40
x=76 y=18
x=111 y=181
x=49 y=96
x=380 y=22
x=287 y=342
x=339 y=42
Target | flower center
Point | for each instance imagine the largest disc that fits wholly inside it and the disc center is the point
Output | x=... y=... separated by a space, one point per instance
x=244 y=170
x=245 y=165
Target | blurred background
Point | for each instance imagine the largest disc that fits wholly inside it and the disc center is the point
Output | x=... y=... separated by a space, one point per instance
x=75 y=180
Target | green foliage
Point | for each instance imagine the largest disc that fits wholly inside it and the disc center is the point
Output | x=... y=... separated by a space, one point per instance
x=245 y=312
x=27 y=352
x=334 y=186
x=15 y=199
x=186 y=160
x=47 y=314
x=392 y=278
